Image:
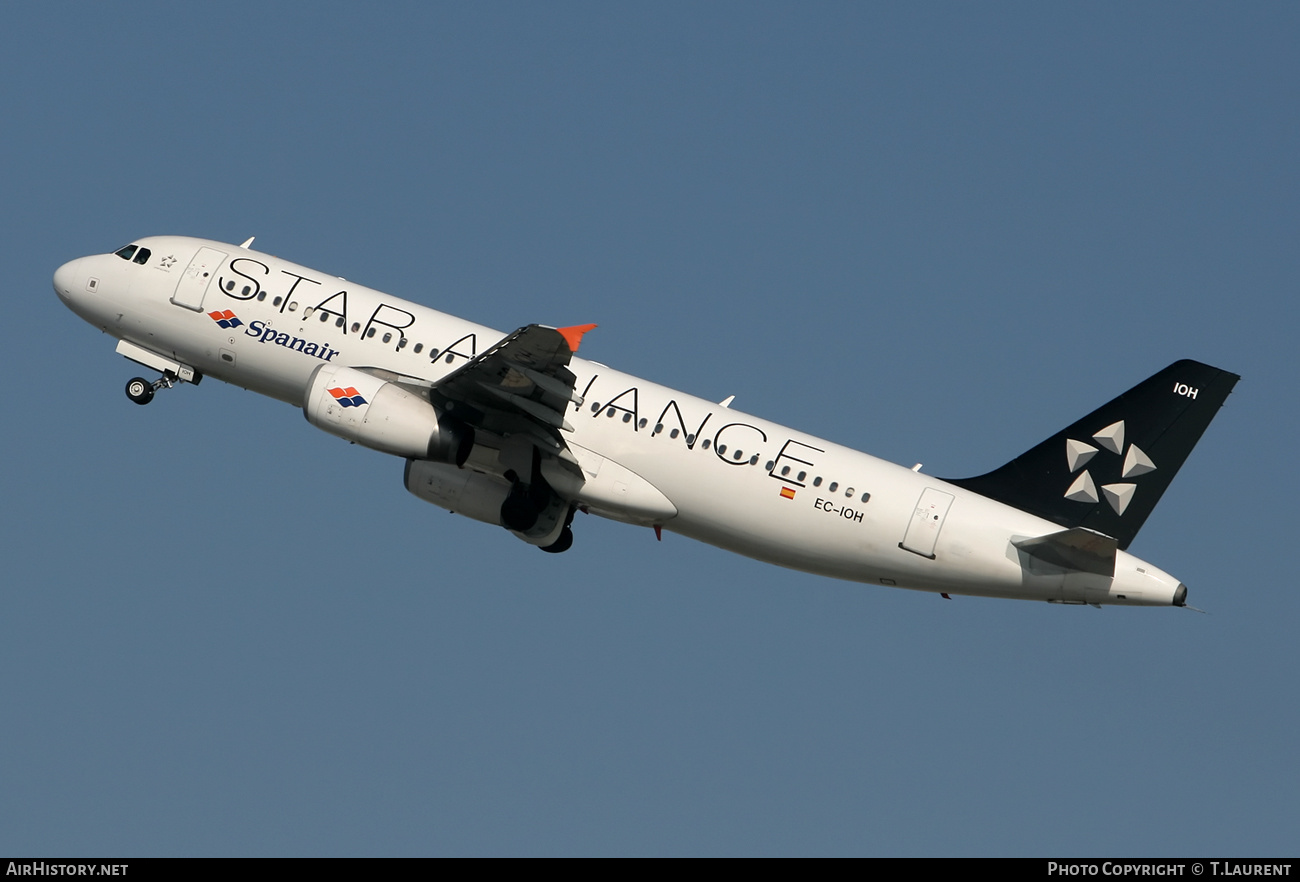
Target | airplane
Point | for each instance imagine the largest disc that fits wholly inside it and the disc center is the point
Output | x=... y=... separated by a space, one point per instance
x=517 y=431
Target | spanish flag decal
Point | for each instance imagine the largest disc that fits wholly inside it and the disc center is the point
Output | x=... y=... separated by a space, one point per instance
x=787 y=493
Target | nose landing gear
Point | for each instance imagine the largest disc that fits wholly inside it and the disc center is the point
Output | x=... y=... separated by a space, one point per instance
x=140 y=390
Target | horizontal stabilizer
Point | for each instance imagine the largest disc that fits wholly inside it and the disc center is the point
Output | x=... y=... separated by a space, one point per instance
x=1074 y=549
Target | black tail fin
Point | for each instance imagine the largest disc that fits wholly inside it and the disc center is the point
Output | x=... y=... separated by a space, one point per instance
x=1107 y=471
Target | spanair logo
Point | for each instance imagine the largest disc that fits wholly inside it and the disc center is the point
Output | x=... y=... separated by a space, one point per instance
x=1110 y=439
x=348 y=397
x=225 y=318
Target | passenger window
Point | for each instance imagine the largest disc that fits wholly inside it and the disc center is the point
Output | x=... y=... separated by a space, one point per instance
x=866 y=497
x=418 y=347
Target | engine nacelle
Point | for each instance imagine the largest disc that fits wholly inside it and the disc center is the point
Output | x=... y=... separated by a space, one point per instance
x=367 y=410
x=541 y=512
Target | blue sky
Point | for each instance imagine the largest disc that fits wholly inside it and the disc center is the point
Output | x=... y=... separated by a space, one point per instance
x=935 y=232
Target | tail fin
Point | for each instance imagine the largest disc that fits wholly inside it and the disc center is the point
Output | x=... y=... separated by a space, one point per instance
x=1107 y=471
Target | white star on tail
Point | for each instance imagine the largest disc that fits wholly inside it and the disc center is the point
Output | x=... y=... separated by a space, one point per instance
x=1080 y=453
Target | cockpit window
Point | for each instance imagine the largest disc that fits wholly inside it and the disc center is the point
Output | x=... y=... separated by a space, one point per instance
x=142 y=256
x=126 y=252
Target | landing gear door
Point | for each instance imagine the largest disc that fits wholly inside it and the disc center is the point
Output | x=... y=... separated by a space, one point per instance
x=927 y=520
x=196 y=278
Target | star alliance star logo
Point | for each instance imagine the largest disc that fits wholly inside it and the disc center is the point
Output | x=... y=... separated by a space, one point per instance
x=1119 y=494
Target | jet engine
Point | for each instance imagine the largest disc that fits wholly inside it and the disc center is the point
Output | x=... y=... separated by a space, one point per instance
x=532 y=511
x=382 y=415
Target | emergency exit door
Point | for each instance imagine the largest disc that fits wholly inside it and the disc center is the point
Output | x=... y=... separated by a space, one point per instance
x=927 y=520
x=196 y=278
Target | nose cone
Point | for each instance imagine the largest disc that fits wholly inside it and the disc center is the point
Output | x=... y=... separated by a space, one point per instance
x=64 y=278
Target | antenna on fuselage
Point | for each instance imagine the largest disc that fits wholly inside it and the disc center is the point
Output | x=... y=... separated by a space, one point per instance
x=249 y=242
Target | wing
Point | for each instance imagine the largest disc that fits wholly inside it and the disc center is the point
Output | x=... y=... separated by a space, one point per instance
x=520 y=386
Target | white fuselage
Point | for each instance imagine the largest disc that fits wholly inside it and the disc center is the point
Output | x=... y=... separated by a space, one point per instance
x=736 y=481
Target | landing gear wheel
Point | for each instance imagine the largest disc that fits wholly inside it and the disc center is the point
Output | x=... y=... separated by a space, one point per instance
x=139 y=390
x=564 y=543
